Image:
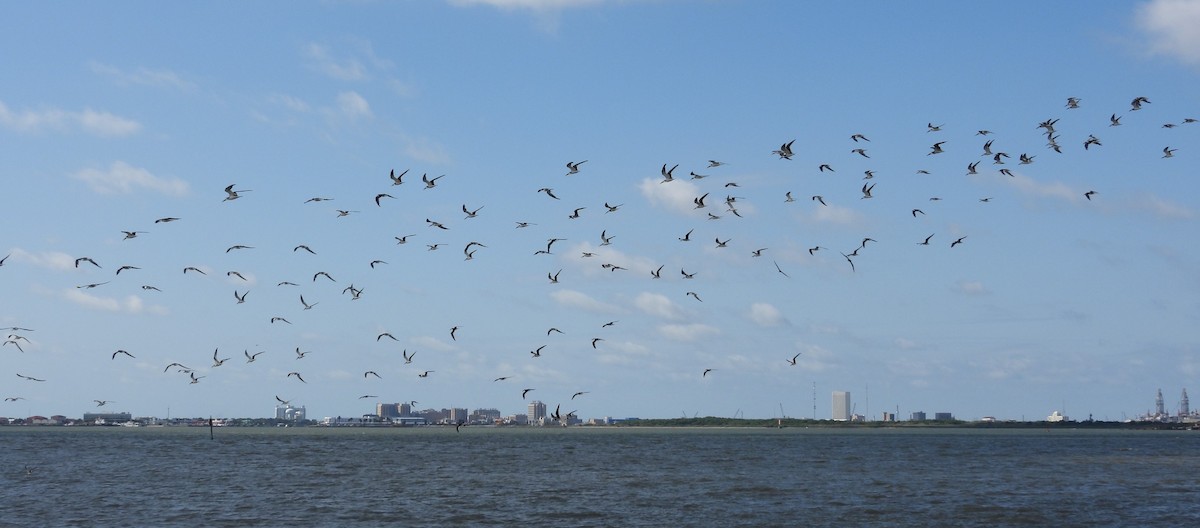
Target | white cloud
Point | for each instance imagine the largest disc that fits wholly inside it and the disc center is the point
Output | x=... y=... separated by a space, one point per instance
x=51 y=260
x=835 y=214
x=814 y=357
x=352 y=105
x=102 y=124
x=971 y=288
x=426 y=151
x=106 y=124
x=1028 y=186
x=676 y=195
x=687 y=332
x=292 y=103
x=141 y=76
x=622 y=353
x=1172 y=28
x=345 y=69
x=640 y=266
x=1162 y=208
x=131 y=304
x=658 y=305
x=431 y=342
x=764 y=314
x=122 y=178
x=574 y=299
x=1003 y=367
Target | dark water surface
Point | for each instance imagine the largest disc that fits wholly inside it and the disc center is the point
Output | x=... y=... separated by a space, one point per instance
x=597 y=477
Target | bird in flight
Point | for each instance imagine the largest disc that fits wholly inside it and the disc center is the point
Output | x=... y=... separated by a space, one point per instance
x=240 y=298
x=470 y=213
x=114 y=354
x=381 y=196
x=452 y=332
x=957 y=242
x=573 y=166
x=251 y=357
x=424 y=374
x=102 y=403
x=306 y=305
x=694 y=296
x=296 y=375
x=132 y=234
x=792 y=361
x=387 y=335
x=818 y=198
x=164 y=220
x=667 y=174
x=1089 y=194
x=524 y=392
x=926 y=242
x=371 y=373
x=780 y=270
x=549 y=192
x=553 y=276
x=537 y=352
x=706 y=371
x=407 y=357
x=30 y=378
x=1168 y=152
x=232 y=194
x=397 y=179
x=195 y=269
x=83 y=259
x=785 y=150
x=218 y=362
x=430 y=182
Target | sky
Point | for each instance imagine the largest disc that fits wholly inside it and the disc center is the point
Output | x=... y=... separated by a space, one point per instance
x=113 y=116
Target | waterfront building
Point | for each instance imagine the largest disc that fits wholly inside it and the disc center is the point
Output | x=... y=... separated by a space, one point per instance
x=841 y=406
x=102 y=418
x=537 y=412
x=943 y=416
x=458 y=415
x=1057 y=417
x=485 y=416
x=388 y=410
x=290 y=413
x=917 y=416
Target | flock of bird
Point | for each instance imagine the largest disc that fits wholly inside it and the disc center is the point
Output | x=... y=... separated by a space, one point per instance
x=197 y=367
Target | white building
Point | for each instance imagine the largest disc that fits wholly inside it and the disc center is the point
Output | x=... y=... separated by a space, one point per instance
x=1057 y=417
x=841 y=406
x=287 y=412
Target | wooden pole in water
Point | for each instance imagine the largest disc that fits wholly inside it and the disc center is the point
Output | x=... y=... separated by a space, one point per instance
x=210 y=427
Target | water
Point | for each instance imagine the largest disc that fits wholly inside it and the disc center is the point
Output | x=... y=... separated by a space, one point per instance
x=597 y=477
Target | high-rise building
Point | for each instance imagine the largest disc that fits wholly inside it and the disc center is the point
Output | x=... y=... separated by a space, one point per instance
x=841 y=406
x=537 y=412
x=287 y=412
x=387 y=410
x=1184 y=409
x=458 y=415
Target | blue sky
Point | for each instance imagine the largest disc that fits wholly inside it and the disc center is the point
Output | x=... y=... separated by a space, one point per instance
x=113 y=116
